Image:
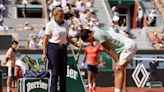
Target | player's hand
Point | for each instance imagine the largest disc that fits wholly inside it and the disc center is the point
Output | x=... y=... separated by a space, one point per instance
x=82 y=68
x=44 y=58
x=117 y=67
x=4 y=63
x=79 y=44
x=101 y=64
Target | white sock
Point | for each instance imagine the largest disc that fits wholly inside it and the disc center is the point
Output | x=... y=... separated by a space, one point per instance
x=12 y=85
x=15 y=84
x=90 y=85
x=8 y=89
x=117 y=90
x=94 y=84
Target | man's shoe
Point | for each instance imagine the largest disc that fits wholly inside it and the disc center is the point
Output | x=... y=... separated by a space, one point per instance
x=90 y=90
x=93 y=89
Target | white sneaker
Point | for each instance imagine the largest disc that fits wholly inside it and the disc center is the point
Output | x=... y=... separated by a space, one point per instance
x=8 y=90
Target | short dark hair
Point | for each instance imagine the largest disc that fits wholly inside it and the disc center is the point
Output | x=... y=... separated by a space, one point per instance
x=16 y=42
x=85 y=34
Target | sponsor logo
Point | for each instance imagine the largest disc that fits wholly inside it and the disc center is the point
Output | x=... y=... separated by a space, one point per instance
x=71 y=73
x=140 y=82
x=37 y=84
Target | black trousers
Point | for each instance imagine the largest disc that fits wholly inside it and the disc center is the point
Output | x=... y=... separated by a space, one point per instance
x=57 y=56
x=139 y=23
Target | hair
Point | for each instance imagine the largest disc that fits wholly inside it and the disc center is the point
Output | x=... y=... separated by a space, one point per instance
x=85 y=34
x=56 y=10
x=14 y=42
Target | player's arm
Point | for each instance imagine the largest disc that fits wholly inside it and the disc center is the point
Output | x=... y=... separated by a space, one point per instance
x=8 y=54
x=71 y=41
x=109 y=51
x=48 y=33
x=45 y=40
x=101 y=58
x=84 y=59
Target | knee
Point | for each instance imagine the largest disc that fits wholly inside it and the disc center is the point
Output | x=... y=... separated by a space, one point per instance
x=118 y=68
x=118 y=71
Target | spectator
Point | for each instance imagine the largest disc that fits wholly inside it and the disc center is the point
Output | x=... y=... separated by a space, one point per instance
x=114 y=9
x=2 y=8
x=64 y=3
x=153 y=70
x=111 y=28
x=41 y=32
x=2 y=26
x=41 y=36
x=116 y=18
x=68 y=14
x=140 y=18
x=88 y=4
x=32 y=42
x=75 y=20
x=24 y=11
x=83 y=17
x=152 y=18
x=93 y=24
x=162 y=39
x=25 y=2
x=82 y=7
x=155 y=38
x=27 y=26
x=115 y=28
x=123 y=30
x=78 y=4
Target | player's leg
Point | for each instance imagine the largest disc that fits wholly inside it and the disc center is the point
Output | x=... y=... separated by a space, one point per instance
x=89 y=78
x=63 y=69
x=13 y=77
x=94 y=72
x=119 y=76
x=9 y=79
x=94 y=82
x=53 y=57
x=124 y=59
x=94 y=79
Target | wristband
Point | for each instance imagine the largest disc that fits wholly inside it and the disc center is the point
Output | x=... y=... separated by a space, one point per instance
x=82 y=64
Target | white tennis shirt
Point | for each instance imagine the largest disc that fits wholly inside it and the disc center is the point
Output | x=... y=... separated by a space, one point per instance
x=58 y=33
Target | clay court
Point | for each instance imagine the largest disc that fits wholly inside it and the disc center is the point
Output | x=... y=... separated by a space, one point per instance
x=111 y=89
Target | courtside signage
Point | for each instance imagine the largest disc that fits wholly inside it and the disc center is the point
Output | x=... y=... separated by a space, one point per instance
x=140 y=82
x=71 y=73
x=36 y=85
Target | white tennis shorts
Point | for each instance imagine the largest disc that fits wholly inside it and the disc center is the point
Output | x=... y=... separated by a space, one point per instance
x=127 y=54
